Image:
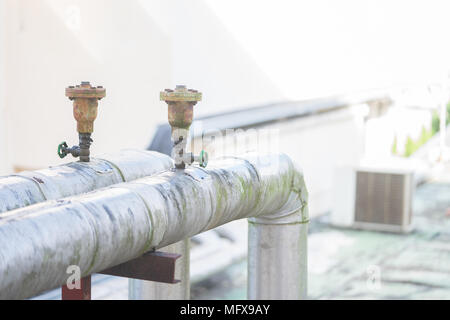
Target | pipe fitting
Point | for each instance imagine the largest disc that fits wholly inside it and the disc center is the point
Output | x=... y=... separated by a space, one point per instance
x=64 y=150
x=189 y=158
x=85 y=108
x=181 y=102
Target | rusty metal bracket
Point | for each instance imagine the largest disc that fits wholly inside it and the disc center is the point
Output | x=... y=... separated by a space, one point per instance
x=152 y=266
x=84 y=293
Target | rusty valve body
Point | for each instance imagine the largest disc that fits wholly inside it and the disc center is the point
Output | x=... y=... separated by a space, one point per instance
x=85 y=105
x=181 y=102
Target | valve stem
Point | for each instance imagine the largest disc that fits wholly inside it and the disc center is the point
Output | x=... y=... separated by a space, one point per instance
x=85 y=144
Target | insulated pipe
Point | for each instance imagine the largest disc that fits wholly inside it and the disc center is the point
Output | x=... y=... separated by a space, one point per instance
x=31 y=187
x=277 y=249
x=110 y=226
x=285 y=244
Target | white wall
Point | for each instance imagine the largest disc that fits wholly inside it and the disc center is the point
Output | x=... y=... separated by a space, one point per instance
x=206 y=56
x=53 y=44
x=5 y=164
x=134 y=48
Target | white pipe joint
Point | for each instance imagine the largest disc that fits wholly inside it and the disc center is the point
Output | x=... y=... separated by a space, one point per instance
x=31 y=187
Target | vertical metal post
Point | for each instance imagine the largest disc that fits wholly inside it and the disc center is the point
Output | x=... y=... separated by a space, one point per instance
x=277 y=261
x=150 y=290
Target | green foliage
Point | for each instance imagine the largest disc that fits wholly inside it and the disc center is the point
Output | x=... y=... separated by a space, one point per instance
x=425 y=136
x=448 y=113
x=412 y=146
x=436 y=120
x=394 y=146
x=435 y=123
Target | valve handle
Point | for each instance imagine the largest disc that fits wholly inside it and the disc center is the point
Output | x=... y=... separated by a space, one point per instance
x=203 y=159
x=62 y=147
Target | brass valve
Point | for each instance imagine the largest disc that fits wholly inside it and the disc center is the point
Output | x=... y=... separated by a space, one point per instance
x=181 y=102
x=85 y=107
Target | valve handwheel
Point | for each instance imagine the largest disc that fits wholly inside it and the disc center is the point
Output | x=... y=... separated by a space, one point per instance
x=203 y=159
x=62 y=147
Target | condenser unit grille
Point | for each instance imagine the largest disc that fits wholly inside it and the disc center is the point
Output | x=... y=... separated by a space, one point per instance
x=380 y=198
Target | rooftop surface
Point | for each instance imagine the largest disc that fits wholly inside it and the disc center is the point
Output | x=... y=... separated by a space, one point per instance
x=354 y=264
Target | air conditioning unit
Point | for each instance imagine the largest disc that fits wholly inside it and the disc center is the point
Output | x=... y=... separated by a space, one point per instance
x=371 y=198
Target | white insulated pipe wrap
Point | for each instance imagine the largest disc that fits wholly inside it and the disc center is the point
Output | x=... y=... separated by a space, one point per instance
x=277 y=261
x=31 y=187
x=115 y=224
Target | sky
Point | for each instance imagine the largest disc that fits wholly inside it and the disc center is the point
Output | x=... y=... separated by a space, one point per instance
x=315 y=48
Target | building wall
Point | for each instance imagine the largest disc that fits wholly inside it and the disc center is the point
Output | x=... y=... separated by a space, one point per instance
x=133 y=48
x=318 y=143
x=4 y=163
x=207 y=56
x=53 y=44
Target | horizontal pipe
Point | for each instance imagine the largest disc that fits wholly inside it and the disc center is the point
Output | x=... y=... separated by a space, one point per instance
x=31 y=187
x=109 y=226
